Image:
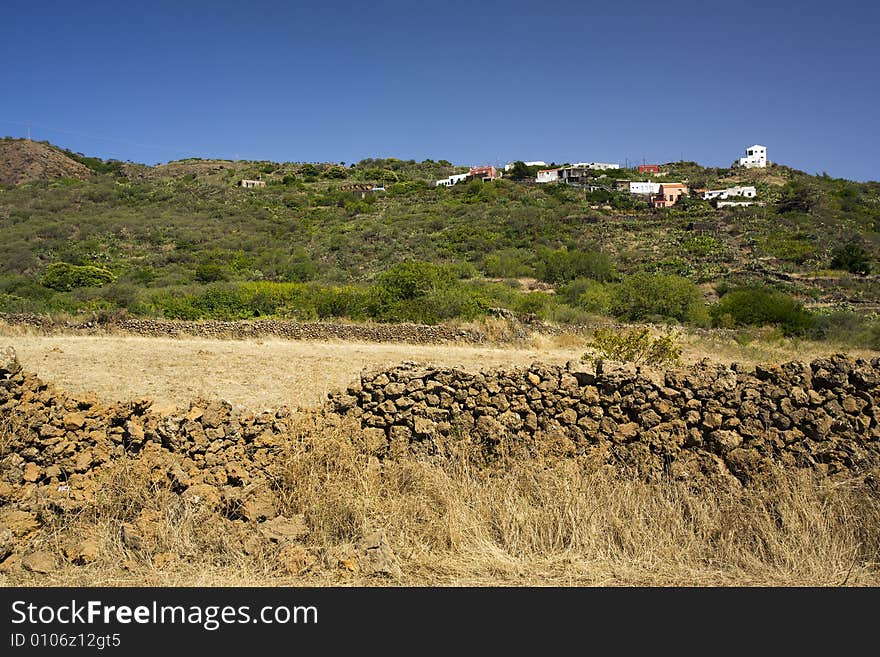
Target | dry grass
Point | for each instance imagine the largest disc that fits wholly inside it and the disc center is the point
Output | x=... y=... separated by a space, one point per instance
x=256 y=374
x=461 y=522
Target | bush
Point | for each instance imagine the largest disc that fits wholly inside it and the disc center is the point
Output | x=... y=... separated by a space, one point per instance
x=63 y=276
x=211 y=272
x=457 y=302
x=413 y=279
x=649 y=297
x=564 y=265
x=635 y=346
x=349 y=302
x=852 y=257
x=754 y=306
x=797 y=248
x=845 y=327
x=506 y=264
x=589 y=295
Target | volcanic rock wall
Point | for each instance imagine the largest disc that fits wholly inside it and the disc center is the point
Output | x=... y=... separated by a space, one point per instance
x=705 y=420
x=259 y=328
x=699 y=422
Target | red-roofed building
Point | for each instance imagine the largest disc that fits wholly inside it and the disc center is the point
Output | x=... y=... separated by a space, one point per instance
x=484 y=173
x=649 y=168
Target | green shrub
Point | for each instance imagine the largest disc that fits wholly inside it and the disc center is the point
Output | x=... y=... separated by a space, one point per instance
x=703 y=245
x=506 y=264
x=797 y=248
x=852 y=257
x=413 y=279
x=64 y=276
x=211 y=272
x=566 y=265
x=533 y=303
x=845 y=327
x=589 y=295
x=649 y=297
x=458 y=302
x=635 y=346
x=754 y=306
x=349 y=302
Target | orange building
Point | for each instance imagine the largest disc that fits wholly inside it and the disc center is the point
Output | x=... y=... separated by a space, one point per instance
x=485 y=173
x=669 y=195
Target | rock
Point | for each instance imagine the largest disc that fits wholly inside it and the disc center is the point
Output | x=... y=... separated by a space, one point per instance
x=7 y=543
x=724 y=441
x=487 y=426
x=568 y=416
x=74 y=421
x=41 y=562
x=284 y=530
x=628 y=431
x=202 y=494
x=31 y=472
x=86 y=551
x=424 y=428
x=135 y=431
x=295 y=559
x=236 y=473
x=9 y=365
x=20 y=523
x=376 y=557
x=259 y=504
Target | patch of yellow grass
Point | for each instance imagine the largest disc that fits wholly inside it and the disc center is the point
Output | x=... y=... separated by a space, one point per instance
x=461 y=522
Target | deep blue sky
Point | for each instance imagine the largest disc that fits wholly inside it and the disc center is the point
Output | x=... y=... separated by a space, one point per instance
x=481 y=82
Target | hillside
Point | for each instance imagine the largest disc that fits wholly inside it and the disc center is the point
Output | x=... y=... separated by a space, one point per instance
x=183 y=240
x=23 y=161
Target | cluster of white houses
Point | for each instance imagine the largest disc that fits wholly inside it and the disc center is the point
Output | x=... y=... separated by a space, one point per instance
x=659 y=194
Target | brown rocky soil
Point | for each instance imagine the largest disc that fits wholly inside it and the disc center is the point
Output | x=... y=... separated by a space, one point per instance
x=23 y=161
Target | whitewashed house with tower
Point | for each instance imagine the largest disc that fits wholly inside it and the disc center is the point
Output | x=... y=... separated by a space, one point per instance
x=756 y=156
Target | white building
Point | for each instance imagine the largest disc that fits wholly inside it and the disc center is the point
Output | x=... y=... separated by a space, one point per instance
x=598 y=166
x=547 y=175
x=740 y=204
x=452 y=180
x=747 y=192
x=644 y=188
x=536 y=163
x=756 y=156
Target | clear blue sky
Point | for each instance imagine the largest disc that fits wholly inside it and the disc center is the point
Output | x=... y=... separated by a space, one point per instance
x=480 y=82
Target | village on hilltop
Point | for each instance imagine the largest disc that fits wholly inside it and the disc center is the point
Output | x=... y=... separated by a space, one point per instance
x=657 y=194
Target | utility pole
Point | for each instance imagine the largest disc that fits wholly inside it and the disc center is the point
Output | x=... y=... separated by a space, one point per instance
x=28 y=130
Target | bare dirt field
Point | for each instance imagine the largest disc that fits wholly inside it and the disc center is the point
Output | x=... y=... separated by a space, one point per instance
x=267 y=373
x=252 y=374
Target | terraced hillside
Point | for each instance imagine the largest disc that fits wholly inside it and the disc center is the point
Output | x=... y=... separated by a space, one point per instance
x=183 y=240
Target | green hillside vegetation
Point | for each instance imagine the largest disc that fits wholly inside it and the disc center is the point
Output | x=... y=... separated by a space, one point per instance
x=183 y=240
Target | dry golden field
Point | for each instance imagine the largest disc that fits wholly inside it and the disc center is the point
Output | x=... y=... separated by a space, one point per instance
x=268 y=373
x=453 y=522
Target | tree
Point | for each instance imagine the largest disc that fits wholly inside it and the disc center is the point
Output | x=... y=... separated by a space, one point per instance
x=520 y=171
x=852 y=257
x=796 y=197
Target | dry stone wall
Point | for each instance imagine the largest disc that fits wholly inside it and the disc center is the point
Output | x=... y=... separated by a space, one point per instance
x=706 y=420
x=245 y=329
